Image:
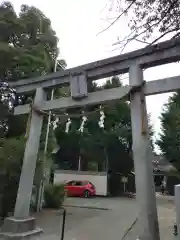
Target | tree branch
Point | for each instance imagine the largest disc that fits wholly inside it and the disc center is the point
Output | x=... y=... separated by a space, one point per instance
x=128 y=7
x=162 y=35
x=136 y=35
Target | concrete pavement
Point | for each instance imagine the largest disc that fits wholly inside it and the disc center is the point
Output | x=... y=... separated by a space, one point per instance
x=89 y=222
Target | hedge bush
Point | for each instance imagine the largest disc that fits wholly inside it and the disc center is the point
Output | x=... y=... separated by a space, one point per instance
x=54 y=195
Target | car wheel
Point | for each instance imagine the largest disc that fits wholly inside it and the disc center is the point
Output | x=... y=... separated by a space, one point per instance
x=86 y=194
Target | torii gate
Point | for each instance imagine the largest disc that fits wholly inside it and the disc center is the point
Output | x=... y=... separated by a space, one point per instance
x=134 y=63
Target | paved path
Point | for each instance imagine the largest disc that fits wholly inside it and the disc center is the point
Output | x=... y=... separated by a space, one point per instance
x=90 y=223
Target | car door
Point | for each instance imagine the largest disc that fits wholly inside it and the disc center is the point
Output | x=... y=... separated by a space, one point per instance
x=70 y=188
x=73 y=189
x=78 y=188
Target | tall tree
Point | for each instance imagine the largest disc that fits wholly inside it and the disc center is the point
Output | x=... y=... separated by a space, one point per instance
x=169 y=141
x=28 y=48
x=28 y=45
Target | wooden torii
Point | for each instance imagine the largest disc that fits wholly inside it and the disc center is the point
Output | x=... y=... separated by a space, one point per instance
x=134 y=63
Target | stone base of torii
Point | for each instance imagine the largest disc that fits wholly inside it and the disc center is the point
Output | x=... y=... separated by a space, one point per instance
x=21 y=225
x=24 y=228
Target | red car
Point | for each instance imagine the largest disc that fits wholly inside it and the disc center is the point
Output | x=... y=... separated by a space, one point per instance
x=80 y=189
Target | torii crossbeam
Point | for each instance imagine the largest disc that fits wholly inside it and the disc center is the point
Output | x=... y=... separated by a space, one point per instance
x=134 y=63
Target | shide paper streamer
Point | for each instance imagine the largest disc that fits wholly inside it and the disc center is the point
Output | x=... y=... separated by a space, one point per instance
x=84 y=120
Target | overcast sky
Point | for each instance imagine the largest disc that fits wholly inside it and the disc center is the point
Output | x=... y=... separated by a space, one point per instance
x=77 y=24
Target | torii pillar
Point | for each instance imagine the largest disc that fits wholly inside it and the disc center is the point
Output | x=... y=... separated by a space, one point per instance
x=21 y=225
x=142 y=155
